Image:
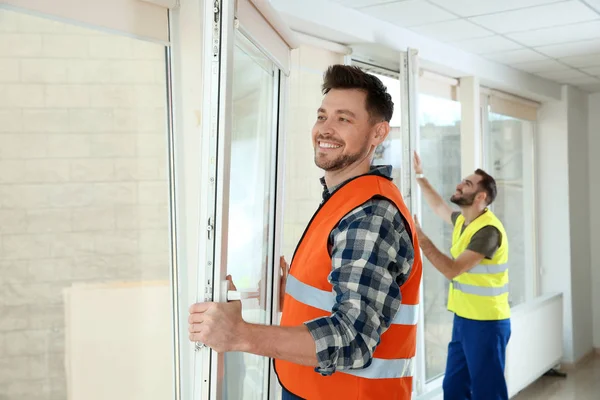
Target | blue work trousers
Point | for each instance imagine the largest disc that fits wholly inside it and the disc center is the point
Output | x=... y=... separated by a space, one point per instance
x=476 y=355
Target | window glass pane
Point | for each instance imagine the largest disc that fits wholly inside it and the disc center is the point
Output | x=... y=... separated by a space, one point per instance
x=85 y=292
x=508 y=142
x=249 y=207
x=390 y=151
x=439 y=144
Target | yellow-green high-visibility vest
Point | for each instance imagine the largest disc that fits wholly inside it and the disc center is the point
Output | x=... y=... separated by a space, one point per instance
x=482 y=292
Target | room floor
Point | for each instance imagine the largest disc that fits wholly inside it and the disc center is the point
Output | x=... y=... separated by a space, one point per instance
x=583 y=383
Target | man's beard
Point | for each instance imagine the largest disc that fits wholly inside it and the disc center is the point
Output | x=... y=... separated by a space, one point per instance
x=341 y=161
x=462 y=200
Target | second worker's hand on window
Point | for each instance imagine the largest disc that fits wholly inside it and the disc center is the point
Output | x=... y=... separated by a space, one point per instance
x=417 y=165
x=418 y=229
x=285 y=269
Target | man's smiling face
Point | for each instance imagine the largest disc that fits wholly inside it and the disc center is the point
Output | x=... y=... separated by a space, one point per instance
x=343 y=132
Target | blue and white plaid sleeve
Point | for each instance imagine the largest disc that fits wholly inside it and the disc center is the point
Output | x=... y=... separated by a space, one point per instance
x=372 y=256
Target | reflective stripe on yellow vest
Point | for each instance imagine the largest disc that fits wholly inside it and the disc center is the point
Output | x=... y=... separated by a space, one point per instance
x=482 y=292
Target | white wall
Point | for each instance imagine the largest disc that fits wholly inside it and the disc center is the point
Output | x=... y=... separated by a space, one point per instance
x=536 y=342
x=563 y=218
x=579 y=200
x=553 y=209
x=594 y=168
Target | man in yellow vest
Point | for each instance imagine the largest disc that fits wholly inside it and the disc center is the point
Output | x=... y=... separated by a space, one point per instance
x=478 y=294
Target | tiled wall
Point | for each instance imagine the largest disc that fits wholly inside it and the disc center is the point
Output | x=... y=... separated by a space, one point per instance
x=302 y=187
x=83 y=183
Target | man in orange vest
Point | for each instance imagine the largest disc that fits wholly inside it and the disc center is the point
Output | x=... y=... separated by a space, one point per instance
x=348 y=327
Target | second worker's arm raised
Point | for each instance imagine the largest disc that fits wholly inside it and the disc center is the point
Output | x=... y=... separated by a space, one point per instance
x=433 y=198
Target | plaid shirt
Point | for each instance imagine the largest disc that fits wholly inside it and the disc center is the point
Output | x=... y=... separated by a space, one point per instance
x=371 y=257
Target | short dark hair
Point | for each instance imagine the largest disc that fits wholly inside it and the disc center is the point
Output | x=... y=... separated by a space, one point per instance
x=379 y=102
x=488 y=185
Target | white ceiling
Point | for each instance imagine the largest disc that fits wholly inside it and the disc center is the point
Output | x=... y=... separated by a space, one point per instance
x=556 y=39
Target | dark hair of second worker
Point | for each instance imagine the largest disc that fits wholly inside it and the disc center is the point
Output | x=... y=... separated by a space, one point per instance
x=379 y=102
x=488 y=185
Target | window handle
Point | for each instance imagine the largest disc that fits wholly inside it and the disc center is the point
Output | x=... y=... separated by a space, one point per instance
x=233 y=295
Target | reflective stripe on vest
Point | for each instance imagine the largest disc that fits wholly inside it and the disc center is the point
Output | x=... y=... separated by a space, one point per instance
x=480 y=290
x=385 y=369
x=488 y=269
x=317 y=298
x=309 y=295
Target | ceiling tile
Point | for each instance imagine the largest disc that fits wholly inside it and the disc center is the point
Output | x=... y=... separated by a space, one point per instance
x=486 y=45
x=571 y=49
x=409 y=13
x=360 y=3
x=592 y=71
x=449 y=31
x=568 y=12
x=515 y=56
x=558 y=34
x=469 y=8
x=563 y=75
x=541 y=66
x=592 y=60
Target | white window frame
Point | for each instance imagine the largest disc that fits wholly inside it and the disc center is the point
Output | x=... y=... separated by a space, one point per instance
x=526 y=110
x=440 y=86
x=216 y=88
x=409 y=90
x=474 y=144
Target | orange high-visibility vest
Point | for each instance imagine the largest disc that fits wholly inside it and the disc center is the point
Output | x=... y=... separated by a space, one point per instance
x=309 y=295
